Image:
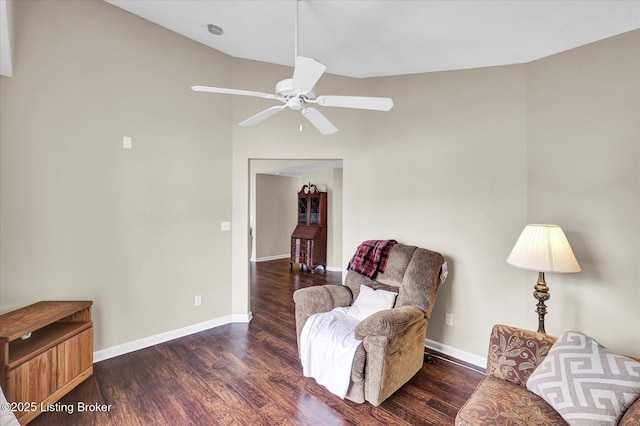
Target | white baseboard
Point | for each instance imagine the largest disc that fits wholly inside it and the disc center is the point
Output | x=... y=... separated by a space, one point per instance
x=286 y=256
x=276 y=257
x=473 y=359
x=243 y=318
x=146 y=342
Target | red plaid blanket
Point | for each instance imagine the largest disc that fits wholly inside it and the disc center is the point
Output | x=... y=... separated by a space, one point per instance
x=371 y=257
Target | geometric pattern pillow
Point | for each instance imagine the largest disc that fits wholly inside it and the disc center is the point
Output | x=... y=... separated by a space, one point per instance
x=585 y=382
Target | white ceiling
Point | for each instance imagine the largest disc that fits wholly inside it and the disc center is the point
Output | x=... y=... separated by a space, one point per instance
x=365 y=38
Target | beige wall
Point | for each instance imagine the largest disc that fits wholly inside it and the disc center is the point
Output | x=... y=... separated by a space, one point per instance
x=137 y=231
x=461 y=163
x=583 y=151
x=446 y=170
x=6 y=46
x=276 y=218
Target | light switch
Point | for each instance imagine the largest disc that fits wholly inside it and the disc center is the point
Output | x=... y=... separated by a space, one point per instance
x=225 y=226
x=127 y=143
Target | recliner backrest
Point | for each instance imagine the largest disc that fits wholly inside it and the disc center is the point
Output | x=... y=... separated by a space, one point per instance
x=397 y=264
x=411 y=271
x=421 y=281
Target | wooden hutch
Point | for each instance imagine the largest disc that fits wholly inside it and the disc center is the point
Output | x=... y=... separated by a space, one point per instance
x=309 y=239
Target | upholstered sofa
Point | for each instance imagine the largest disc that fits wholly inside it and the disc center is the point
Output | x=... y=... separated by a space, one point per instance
x=502 y=397
x=392 y=349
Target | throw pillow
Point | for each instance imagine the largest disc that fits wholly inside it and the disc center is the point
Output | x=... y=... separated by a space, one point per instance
x=370 y=301
x=585 y=382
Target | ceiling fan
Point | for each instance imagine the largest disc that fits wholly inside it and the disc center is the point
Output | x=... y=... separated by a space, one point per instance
x=299 y=92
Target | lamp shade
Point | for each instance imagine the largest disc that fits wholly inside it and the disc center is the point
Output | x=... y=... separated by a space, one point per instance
x=543 y=248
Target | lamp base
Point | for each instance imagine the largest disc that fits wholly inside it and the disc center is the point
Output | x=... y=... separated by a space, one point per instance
x=542 y=294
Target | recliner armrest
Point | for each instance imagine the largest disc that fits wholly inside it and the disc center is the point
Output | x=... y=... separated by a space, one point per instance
x=312 y=300
x=389 y=322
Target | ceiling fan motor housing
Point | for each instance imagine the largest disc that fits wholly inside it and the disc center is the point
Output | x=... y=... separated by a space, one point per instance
x=285 y=89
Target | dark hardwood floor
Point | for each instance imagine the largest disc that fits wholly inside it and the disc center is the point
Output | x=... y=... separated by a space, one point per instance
x=249 y=374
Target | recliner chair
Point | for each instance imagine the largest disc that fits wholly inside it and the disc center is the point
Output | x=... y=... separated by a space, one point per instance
x=392 y=349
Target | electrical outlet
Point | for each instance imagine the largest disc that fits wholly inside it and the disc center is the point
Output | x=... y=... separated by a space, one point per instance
x=448 y=319
x=198 y=300
x=225 y=226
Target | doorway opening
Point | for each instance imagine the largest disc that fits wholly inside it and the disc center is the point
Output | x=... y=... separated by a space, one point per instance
x=273 y=189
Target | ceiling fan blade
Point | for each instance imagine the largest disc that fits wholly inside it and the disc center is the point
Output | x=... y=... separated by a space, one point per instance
x=306 y=74
x=359 y=102
x=320 y=122
x=261 y=116
x=233 y=92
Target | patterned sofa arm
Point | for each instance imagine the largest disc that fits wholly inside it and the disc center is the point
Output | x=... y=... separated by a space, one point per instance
x=514 y=353
x=632 y=416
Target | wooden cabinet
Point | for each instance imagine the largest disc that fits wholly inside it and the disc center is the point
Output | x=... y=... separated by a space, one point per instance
x=55 y=355
x=309 y=239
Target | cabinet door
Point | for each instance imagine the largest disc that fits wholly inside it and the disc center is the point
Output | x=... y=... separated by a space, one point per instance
x=74 y=356
x=314 y=210
x=303 y=210
x=34 y=380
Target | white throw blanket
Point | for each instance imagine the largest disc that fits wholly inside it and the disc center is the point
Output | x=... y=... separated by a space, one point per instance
x=327 y=348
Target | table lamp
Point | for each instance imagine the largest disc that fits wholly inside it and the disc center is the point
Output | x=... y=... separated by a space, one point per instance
x=543 y=248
